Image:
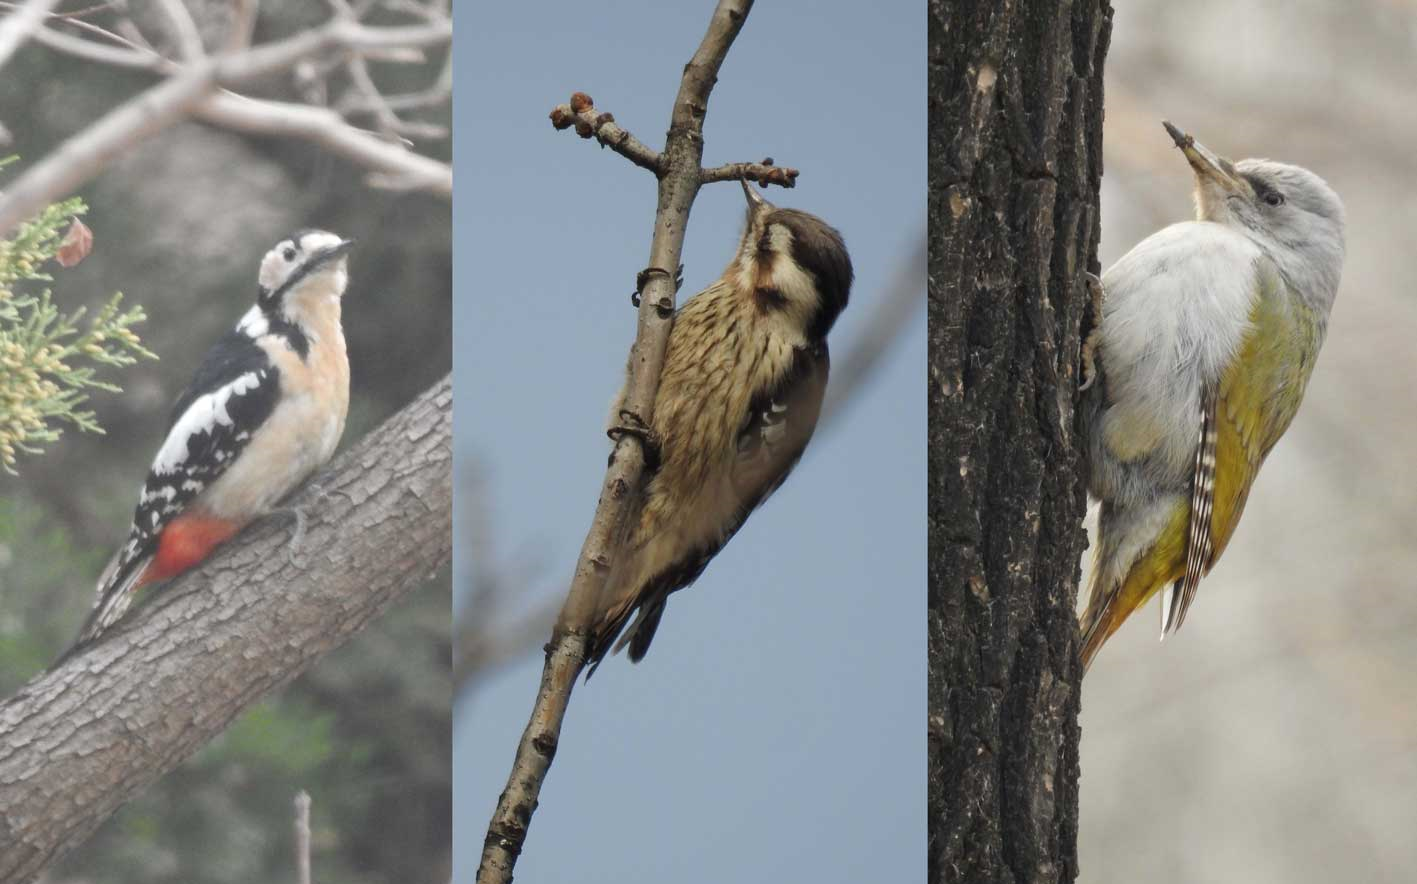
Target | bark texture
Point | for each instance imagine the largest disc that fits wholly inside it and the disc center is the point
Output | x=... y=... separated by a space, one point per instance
x=80 y=740
x=1015 y=103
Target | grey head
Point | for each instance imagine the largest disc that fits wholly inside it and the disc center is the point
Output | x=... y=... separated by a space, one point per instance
x=1288 y=211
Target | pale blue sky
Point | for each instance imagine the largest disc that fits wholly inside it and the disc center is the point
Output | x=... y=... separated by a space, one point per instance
x=776 y=730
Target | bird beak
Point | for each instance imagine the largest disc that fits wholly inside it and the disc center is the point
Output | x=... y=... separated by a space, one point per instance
x=756 y=203
x=1209 y=167
x=335 y=251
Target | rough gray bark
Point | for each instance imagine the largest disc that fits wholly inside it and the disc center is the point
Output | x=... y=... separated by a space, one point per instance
x=1015 y=103
x=80 y=740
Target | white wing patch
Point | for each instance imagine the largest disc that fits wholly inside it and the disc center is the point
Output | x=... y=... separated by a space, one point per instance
x=207 y=413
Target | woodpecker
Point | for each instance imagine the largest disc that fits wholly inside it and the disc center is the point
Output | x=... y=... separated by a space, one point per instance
x=266 y=409
x=1208 y=334
x=739 y=395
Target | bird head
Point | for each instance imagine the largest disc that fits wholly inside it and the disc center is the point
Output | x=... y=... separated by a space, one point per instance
x=309 y=264
x=794 y=264
x=1287 y=210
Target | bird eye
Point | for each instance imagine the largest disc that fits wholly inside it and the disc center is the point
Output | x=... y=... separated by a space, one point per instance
x=288 y=254
x=1274 y=198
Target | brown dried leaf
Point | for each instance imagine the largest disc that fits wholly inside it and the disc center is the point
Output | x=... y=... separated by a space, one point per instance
x=77 y=244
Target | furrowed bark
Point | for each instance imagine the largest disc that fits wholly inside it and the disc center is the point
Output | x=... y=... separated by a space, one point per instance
x=1015 y=103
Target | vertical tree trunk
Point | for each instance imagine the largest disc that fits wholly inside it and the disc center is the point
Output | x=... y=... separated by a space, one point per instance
x=1015 y=164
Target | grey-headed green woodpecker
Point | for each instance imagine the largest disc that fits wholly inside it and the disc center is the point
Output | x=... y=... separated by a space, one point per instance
x=1206 y=335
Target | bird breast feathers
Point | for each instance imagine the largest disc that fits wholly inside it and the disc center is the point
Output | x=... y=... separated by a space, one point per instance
x=1176 y=312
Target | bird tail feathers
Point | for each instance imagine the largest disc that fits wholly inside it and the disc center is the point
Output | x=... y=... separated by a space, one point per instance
x=116 y=586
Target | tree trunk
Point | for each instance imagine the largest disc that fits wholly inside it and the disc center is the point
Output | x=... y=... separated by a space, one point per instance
x=83 y=738
x=1015 y=103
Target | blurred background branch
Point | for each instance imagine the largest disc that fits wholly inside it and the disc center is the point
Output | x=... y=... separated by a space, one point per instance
x=197 y=84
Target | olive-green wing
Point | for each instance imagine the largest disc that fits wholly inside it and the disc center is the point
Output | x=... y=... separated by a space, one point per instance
x=1242 y=419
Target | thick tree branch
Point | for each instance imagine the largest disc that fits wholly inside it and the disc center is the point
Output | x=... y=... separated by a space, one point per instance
x=192 y=88
x=680 y=175
x=80 y=740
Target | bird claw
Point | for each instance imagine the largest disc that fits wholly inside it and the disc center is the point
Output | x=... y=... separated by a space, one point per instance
x=298 y=535
x=1094 y=336
x=642 y=279
x=631 y=424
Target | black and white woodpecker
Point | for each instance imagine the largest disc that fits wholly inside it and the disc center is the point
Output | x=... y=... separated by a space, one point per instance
x=266 y=409
x=739 y=396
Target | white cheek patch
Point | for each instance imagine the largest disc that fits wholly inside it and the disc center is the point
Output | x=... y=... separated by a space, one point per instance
x=792 y=282
x=202 y=416
x=274 y=267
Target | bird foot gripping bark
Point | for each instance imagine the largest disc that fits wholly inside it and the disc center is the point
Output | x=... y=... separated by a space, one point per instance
x=1094 y=336
x=644 y=276
x=299 y=514
x=631 y=424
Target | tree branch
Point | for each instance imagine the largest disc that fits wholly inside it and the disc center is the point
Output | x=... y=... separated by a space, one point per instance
x=80 y=740
x=183 y=29
x=590 y=122
x=680 y=175
x=192 y=89
x=20 y=25
x=302 y=837
x=394 y=166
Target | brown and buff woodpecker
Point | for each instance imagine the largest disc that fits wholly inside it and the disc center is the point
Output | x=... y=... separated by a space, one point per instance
x=739 y=396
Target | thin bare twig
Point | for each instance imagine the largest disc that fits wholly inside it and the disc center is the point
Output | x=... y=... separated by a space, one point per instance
x=126 y=54
x=589 y=122
x=764 y=173
x=19 y=25
x=680 y=175
x=302 y=837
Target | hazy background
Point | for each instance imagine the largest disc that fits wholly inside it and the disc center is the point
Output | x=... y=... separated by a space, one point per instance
x=1272 y=739
x=180 y=225
x=774 y=733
